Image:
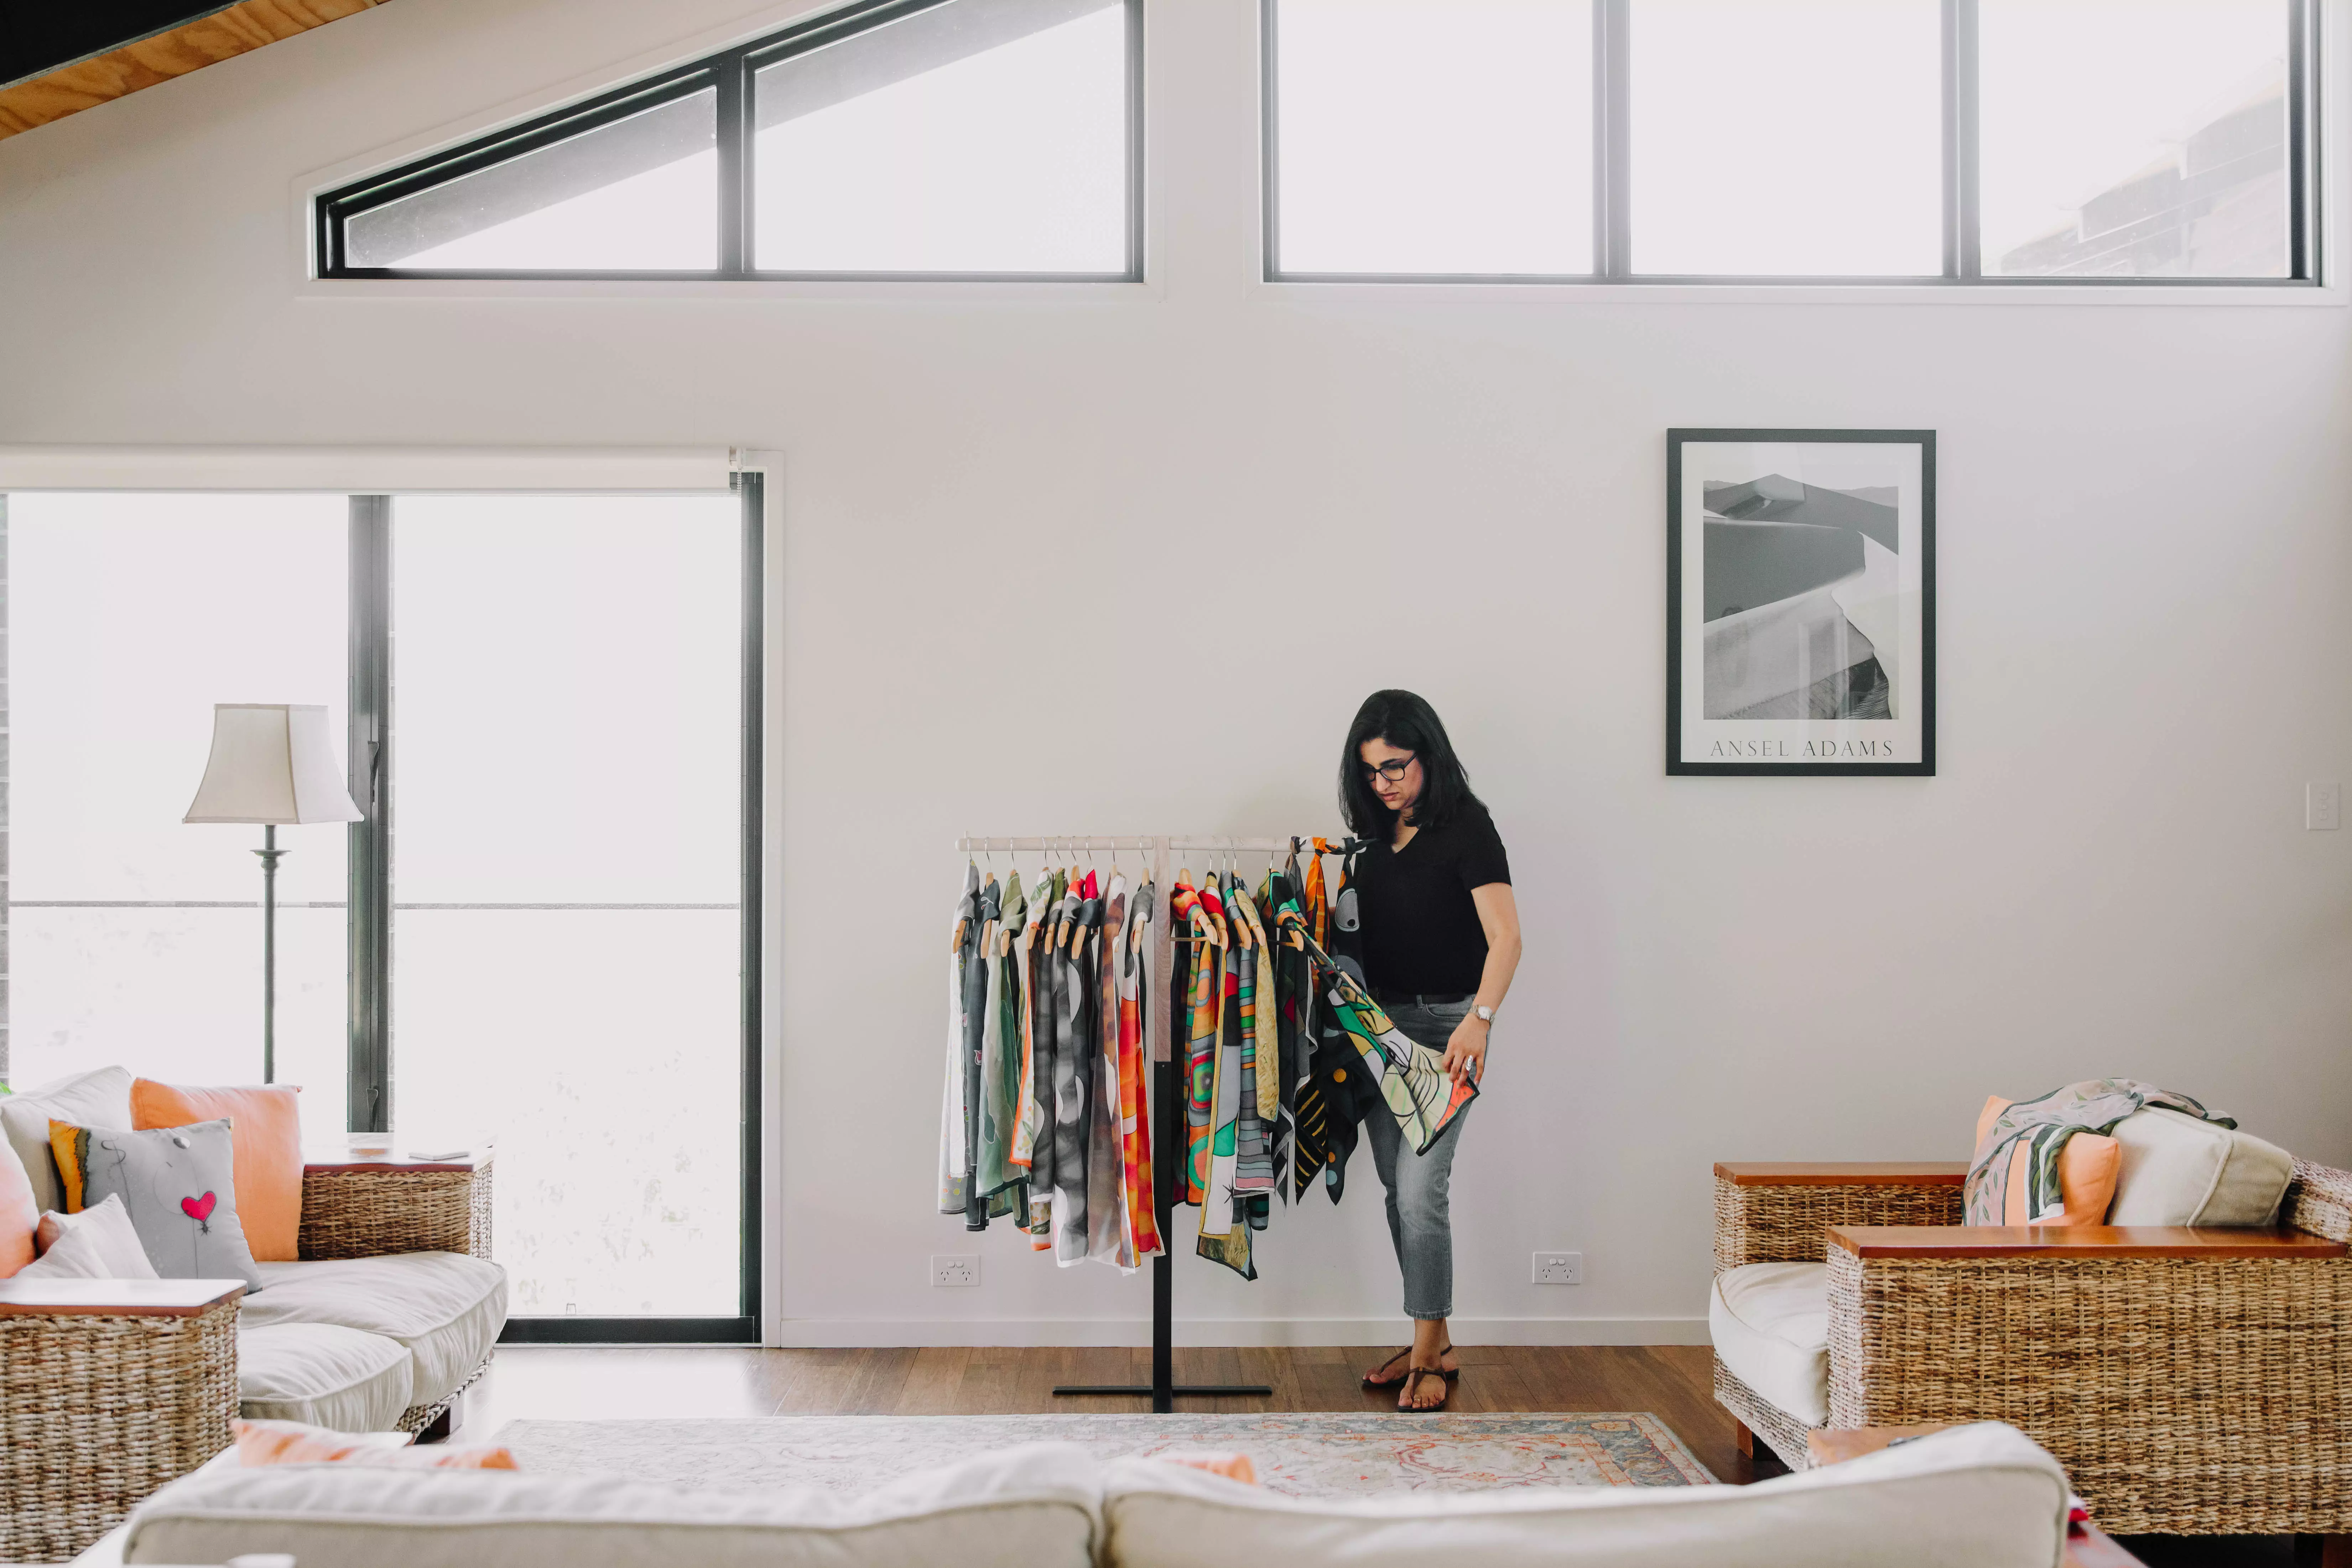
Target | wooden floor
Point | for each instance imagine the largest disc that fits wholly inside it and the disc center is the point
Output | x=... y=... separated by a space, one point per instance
x=1671 y=1381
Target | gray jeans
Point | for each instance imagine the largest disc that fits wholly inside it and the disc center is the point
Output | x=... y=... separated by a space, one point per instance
x=1420 y=1222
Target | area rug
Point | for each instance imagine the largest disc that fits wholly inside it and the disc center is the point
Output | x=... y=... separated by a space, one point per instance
x=1305 y=1456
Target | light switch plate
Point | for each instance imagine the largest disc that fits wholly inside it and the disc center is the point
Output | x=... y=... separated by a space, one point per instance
x=2323 y=807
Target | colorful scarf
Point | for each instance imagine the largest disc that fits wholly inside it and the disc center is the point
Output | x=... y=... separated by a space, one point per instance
x=955 y=1134
x=1142 y=1239
x=994 y=1168
x=1225 y=1219
x=1203 y=1016
x=1045 y=1013
x=1075 y=1052
x=1106 y=1188
x=1417 y=1091
x=2040 y=1128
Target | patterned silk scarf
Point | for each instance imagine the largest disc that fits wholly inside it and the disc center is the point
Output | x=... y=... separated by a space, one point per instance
x=2040 y=1128
x=1417 y=1091
x=1143 y=1239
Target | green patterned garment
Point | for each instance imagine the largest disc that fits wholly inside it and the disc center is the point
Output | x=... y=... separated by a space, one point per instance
x=1417 y=1091
x=2043 y=1126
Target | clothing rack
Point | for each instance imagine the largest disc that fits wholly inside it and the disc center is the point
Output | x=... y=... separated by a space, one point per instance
x=1168 y=1106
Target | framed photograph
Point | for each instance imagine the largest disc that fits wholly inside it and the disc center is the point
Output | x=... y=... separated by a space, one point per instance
x=1800 y=601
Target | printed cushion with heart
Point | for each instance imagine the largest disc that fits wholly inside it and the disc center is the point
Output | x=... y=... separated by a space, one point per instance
x=179 y=1184
x=266 y=1129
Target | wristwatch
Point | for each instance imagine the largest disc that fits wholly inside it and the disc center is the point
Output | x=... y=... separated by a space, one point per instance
x=1485 y=1015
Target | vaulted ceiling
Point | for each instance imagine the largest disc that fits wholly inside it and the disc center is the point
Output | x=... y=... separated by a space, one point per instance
x=60 y=57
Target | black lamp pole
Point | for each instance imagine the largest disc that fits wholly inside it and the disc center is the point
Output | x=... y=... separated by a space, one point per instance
x=270 y=854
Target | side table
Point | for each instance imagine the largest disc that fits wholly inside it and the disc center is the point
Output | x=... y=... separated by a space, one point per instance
x=362 y=1207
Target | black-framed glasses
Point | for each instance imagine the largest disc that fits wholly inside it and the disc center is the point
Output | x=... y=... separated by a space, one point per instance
x=1393 y=770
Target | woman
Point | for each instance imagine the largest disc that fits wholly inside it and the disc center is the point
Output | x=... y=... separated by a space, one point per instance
x=1441 y=939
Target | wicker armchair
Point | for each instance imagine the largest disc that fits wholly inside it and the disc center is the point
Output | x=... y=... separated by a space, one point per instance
x=110 y=1389
x=2192 y=1382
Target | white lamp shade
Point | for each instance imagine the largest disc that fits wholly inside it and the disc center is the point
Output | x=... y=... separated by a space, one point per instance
x=272 y=763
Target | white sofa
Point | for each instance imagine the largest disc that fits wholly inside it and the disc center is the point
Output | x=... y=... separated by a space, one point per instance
x=1976 y=1497
x=354 y=1343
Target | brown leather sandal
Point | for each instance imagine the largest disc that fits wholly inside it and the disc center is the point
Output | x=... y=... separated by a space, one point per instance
x=1451 y=1375
x=1412 y=1377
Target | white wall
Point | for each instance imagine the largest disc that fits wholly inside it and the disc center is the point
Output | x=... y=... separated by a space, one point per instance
x=1124 y=559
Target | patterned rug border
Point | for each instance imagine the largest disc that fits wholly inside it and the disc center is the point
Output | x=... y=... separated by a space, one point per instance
x=1575 y=1428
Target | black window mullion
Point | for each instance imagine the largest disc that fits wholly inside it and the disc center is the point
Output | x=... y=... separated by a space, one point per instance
x=752 y=486
x=1135 y=145
x=1963 y=226
x=1614 y=63
x=1269 y=130
x=734 y=167
x=1600 y=140
x=370 y=777
x=2302 y=140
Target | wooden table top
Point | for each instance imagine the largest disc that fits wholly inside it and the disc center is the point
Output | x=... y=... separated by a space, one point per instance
x=2076 y=1241
x=114 y=1298
x=1842 y=1172
x=336 y=1162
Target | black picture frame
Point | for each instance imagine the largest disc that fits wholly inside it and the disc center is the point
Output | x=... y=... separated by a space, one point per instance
x=1922 y=765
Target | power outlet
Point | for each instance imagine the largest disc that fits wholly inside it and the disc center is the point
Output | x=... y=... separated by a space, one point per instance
x=2323 y=807
x=955 y=1268
x=1560 y=1268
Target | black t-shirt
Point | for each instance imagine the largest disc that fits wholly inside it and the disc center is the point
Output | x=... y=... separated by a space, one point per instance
x=1422 y=934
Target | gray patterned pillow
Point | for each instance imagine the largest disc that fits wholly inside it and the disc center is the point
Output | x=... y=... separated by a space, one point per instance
x=178 y=1184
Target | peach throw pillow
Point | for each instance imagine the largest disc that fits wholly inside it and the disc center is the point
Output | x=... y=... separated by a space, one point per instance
x=1235 y=1467
x=265 y=1147
x=19 y=1215
x=2088 y=1166
x=292 y=1442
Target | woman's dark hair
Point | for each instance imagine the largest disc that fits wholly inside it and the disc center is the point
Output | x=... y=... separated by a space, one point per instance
x=1409 y=724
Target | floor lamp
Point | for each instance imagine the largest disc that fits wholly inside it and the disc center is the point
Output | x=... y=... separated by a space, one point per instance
x=271 y=762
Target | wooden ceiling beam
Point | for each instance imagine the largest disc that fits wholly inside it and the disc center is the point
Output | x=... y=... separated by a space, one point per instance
x=224 y=35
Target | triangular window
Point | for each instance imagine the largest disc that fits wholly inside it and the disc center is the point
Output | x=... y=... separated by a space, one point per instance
x=912 y=138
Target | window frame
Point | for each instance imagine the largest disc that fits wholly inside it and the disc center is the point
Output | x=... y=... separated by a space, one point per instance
x=1962 y=176
x=374 y=779
x=732 y=73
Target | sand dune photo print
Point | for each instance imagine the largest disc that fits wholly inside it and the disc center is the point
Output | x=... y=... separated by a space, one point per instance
x=1801 y=608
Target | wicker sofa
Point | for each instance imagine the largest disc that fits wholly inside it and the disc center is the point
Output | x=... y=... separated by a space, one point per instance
x=2192 y=1380
x=109 y=1389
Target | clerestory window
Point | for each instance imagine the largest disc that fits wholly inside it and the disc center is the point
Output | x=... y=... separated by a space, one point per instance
x=1973 y=142
x=896 y=139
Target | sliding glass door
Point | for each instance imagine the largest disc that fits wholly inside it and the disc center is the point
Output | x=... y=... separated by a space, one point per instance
x=567 y=870
x=544 y=936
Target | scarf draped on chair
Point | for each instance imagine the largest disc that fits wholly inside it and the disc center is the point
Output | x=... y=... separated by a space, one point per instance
x=2042 y=1126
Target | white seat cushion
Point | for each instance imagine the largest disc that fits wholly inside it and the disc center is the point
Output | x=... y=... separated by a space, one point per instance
x=2178 y=1170
x=97 y=1099
x=1037 y=1506
x=1772 y=1327
x=1974 y=1497
x=446 y=1309
x=322 y=1374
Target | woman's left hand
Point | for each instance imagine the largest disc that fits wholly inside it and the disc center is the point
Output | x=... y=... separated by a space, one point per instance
x=1465 y=1052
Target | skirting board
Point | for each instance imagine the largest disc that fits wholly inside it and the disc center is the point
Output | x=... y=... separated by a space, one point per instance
x=860 y=1333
